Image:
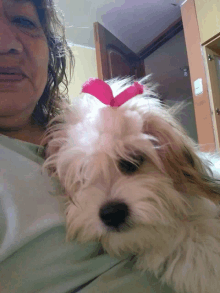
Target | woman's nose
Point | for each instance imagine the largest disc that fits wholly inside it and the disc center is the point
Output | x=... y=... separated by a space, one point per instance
x=9 y=41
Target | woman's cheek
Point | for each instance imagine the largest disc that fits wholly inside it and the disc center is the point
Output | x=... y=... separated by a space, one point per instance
x=40 y=57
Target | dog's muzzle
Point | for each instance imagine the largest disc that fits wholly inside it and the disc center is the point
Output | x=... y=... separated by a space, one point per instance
x=114 y=214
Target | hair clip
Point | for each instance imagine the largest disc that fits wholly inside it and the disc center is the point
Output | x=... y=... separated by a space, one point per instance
x=102 y=91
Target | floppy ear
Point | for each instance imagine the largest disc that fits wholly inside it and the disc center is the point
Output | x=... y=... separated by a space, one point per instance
x=174 y=147
x=178 y=154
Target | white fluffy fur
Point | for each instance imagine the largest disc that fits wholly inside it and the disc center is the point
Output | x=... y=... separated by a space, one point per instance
x=173 y=226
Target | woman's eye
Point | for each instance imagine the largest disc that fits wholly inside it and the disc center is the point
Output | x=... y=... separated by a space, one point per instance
x=24 y=22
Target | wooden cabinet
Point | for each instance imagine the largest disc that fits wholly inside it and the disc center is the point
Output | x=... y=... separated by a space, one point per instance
x=212 y=62
x=208 y=15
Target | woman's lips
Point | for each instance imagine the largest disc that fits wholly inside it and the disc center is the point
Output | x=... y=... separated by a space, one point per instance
x=11 y=74
x=11 y=77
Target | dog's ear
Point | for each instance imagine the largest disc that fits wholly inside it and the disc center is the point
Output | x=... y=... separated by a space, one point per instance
x=178 y=154
x=175 y=149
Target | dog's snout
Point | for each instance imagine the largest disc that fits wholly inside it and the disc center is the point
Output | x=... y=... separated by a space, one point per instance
x=114 y=214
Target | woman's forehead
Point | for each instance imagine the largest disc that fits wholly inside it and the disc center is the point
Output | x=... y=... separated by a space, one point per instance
x=18 y=3
x=23 y=6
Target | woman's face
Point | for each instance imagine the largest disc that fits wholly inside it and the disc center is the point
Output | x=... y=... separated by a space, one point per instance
x=24 y=58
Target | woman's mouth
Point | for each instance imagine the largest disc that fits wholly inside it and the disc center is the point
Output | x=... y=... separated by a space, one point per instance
x=10 y=77
x=11 y=74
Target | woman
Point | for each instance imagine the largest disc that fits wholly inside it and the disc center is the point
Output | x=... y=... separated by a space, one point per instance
x=34 y=256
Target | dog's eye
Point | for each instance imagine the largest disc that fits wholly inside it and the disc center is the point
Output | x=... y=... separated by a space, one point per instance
x=128 y=167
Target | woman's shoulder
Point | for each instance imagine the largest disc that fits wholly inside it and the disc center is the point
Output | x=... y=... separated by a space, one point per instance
x=29 y=198
x=28 y=150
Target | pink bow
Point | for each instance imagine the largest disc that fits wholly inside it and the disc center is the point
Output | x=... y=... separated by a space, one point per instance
x=102 y=91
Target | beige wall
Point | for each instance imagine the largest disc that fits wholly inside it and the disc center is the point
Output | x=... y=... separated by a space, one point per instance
x=208 y=16
x=85 y=67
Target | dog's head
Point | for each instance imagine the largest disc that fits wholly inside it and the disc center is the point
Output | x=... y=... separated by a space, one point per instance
x=125 y=169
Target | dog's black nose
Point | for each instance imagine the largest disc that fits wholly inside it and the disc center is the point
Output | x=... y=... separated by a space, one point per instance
x=114 y=214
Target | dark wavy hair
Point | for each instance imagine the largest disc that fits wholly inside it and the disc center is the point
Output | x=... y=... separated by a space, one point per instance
x=59 y=54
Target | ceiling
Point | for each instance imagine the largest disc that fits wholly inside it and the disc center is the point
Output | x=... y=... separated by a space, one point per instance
x=135 y=22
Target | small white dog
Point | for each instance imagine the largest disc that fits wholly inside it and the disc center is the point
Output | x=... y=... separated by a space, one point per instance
x=136 y=182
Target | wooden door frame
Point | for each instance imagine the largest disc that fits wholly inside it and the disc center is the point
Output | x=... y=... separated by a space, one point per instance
x=202 y=104
x=101 y=52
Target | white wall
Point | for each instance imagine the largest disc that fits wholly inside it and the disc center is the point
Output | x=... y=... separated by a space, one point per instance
x=85 y=67
x=186 y=117
x=165 y=64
